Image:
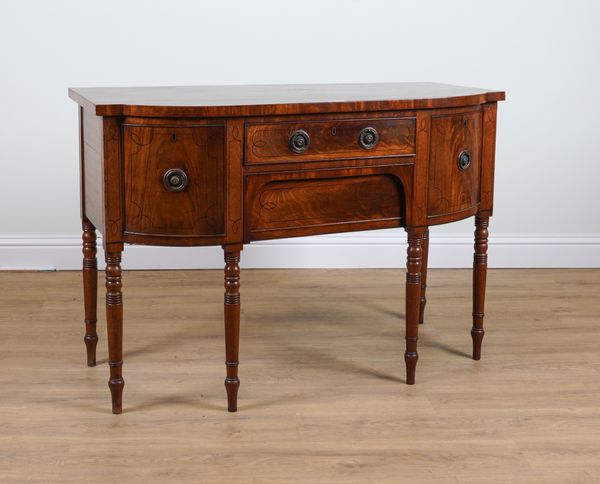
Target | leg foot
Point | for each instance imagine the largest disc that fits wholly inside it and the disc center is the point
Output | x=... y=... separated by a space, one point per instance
x=413 y=299
x=116 y=394
x=477 y=336
x=232 y=386
x=232 y=322
x=479 y=282
x=90 y=290
x=114 y=322
x=410 y=359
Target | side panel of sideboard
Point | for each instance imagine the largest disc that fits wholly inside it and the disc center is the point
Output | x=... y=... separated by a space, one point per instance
x=91 y=167
x=100 y=153
x=488 y=156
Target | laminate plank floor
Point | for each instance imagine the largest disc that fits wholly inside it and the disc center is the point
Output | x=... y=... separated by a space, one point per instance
x=322 y=396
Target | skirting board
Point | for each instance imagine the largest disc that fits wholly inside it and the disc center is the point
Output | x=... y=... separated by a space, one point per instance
x=386 y=249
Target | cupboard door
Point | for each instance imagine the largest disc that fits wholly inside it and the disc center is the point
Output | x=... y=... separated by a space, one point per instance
x=455 y=163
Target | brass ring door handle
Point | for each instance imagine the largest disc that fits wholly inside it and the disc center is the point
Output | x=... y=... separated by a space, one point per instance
x=299 y=141
x=464 y=160
x=368 y=138
x=175 y=180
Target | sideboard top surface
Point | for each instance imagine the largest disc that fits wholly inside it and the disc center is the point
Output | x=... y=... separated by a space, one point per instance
x=277 y=99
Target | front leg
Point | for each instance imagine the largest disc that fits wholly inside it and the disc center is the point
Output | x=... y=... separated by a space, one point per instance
x=479 y=282
x=114 y=323
x=413 y=299
x=232 y=322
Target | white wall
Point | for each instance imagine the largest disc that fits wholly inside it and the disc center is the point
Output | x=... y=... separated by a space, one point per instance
x=544 y=54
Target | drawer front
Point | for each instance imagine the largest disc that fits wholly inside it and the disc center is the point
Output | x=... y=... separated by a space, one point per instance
x=455 y=163
x=305 y=202
x=331 y=139
x=174 y=180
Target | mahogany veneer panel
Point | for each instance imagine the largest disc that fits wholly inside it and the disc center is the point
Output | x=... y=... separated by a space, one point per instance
x=199 y=210
x=331 y=139
x=450 y=188
x=298 y=203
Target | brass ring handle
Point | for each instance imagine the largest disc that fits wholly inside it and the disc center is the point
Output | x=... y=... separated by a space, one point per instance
x=368 y=138
x=464 y=160
x=299 y=141
x=175 y=180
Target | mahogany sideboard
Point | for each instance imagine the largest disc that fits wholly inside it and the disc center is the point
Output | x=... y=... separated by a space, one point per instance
x=228 y=165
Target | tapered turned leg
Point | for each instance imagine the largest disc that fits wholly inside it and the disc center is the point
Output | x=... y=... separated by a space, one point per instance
x=232 y=323
x=479 y=280
x=413 y=299
x=424 y=274
x=114 y=322
x=90 y=290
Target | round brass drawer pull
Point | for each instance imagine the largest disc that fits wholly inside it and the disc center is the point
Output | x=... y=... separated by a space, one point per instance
x=464 y=160
x=175 y=180
x=299 y=141
x=368 y=138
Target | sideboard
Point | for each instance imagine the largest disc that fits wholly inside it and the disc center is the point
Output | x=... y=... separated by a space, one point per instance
x=229 y=165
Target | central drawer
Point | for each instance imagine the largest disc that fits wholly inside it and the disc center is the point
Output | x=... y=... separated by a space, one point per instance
x=293 y=141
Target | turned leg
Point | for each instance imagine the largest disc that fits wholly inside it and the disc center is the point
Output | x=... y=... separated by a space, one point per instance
x=413 y=299
x=424 y=274
x=114 y=323
x=90 y=290
x=232 y=323
x=479 y=280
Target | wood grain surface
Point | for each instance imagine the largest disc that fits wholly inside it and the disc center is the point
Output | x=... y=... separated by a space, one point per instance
x=450 y=189
x=262 y=100
x=323 y=398
x=198 y=210
x=329 y=139
x=299 y=203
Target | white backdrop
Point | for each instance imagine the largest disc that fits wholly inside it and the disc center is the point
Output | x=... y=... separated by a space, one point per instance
x=545 y=55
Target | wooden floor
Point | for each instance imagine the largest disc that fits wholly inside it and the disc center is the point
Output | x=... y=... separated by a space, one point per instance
x=322 y=398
